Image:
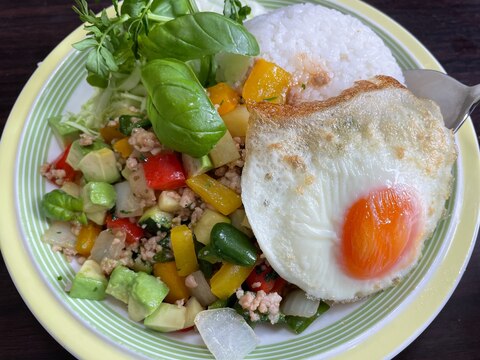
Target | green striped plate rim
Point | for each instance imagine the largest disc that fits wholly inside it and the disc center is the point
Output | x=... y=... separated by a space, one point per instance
x=111 y=324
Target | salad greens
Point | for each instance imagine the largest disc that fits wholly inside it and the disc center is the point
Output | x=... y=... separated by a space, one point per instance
x=144 y=31
x=236 y=11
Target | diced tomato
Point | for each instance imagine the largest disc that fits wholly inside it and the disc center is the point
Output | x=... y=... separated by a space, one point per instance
x=280 y=284
x=60 y=163
x=164 y=172
x=133 y=231
x=264 y=278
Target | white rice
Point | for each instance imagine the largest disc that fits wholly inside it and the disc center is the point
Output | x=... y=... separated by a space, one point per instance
x=325 y=50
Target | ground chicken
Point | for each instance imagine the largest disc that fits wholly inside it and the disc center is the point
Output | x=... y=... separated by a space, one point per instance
x=145 y=141
x=86 y=139
x=108 y=265
x=149 y=248
x=57 y=176
x=260 y=303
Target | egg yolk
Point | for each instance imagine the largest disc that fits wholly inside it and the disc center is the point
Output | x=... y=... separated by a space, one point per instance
x=378 y=229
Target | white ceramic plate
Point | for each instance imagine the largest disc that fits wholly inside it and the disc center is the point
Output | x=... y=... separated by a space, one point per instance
x=377 y=327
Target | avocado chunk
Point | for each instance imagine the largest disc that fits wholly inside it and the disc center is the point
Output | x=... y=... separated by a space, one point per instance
x=154 y=220
x=89 y=283
x=77 y=152
x=196 y=166
x=98 y=217
x=120 y=282
x=98 y=196
x=64 y=133
x=100 y=165
x=146 y=294
x=166 y=318
x=205 y=224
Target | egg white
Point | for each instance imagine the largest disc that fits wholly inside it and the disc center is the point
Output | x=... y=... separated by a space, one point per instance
x=302 y=175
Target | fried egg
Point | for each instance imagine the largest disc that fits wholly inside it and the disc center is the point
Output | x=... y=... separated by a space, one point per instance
x=342 y=194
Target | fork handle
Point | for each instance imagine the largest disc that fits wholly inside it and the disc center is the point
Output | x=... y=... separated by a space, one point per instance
x=475 y=93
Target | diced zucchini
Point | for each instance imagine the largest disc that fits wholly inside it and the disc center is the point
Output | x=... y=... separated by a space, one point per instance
x=224 y=151
x=143 y=266
x=205 y=224
x=167 y=203
x=154 y=220
x=196 y=166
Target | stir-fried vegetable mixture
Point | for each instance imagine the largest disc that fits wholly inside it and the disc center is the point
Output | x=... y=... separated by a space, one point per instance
x=149 y=198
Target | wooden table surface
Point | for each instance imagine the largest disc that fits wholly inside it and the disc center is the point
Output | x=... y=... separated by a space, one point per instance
x=30 y=29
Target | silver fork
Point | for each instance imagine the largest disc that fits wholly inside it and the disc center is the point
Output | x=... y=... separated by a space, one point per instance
x=456 y=100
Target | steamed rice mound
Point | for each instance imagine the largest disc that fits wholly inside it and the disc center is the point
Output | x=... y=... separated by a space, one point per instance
x=325 y=51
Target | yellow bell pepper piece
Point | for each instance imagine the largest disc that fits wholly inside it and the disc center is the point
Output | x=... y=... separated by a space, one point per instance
x=183 y=248
x=215 y=193
x=86 y=239
x=228 y=279
x=266 y=82
x=224 y=97
x=123 y=147
x=167 y=272
x=110 y=133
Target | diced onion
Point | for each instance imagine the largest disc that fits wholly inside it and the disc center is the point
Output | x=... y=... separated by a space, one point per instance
x=60 y=234
x=202 y=291
x=297 y=303
x=139 y=187
x=226 y=333
x=127 y=205
x=108 y=245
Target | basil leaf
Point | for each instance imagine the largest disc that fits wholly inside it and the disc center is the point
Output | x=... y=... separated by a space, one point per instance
x=195 y=36
x=182 y=116
x=171 y=8
x=58 y=205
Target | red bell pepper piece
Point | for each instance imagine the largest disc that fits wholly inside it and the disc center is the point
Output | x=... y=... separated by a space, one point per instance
x=60 y=163
x=263 y=277
x=164 y=172
x=132 y=230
